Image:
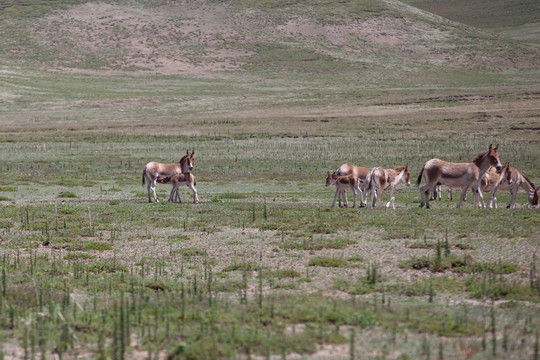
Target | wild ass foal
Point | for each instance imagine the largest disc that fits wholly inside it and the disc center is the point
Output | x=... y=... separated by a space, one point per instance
x=362 y=174
x=387 y=179
x=343 y=183
x=517 y=180
x=463 y=175
x=187 y=179
x=491 y=180
x=154 y=170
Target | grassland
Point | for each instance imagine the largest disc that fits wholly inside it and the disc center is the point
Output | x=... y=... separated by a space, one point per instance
x=262 y=267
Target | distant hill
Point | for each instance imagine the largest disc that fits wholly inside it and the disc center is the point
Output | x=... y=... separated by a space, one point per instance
x=324 y=41
x=517 y=18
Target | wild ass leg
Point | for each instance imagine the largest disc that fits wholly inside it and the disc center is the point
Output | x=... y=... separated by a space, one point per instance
x=391 y=199
x=373 y=196
x=345 y=202
x=152 y=186
x=338 y=192
x=174 y=190
x=424 y=195
x=512 y=203
x=177 y=196
x=463 y=195
x=492 y=200
x=195 y=197
x=478 y=193
x=357 y=187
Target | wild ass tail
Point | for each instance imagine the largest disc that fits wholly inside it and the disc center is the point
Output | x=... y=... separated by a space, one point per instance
x=370 y=180
x=419 y=180
x=143 y=175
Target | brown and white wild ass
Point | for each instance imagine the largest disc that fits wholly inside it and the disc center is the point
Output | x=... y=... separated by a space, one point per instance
x=362 y=174
x=451 y=174
x=154 y=170
x=187 y=179
x=517 y=180
x=387 y=179
x=490 y=183
x=343 y=183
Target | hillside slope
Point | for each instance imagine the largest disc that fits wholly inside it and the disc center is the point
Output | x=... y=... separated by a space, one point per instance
x=373 y=41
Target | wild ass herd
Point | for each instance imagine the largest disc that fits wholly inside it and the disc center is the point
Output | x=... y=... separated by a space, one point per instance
x=484 y=173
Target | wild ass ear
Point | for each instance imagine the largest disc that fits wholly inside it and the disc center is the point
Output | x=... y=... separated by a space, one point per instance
x=407 y=166
x=490 y=145
x=496 y=147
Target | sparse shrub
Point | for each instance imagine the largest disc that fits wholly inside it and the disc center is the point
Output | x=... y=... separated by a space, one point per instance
x=285 y=273
x=67 y=194
x=78 y=256
x=327 y=262
x=157 y=285
x=104 y=267
x=242 y=267
x=188 y=252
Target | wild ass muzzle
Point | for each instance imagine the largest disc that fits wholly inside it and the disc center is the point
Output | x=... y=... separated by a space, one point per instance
x=362 y=174
x=342 y=184
x=387 y=179
x=154 y=170
x=187 y=179
x=462 y=175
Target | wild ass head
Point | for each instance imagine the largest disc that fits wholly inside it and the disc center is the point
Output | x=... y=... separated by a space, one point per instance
x=493 y=157
x=186 y=162
x=534 y=199
x=330 y=178
x=406 y=177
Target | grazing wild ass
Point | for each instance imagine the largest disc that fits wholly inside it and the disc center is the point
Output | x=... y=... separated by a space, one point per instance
x=464 y=175
x=387 y=179
x=154 y=170
x=362 y=174
x=187 y=179
x=517 y=180
x=491 y=180
x=343 y=183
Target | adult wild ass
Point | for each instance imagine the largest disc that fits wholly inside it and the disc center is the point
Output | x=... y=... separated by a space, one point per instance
x=362 y=174
x=387 y=179
x=343 y=183
x=517 y=180
x=187 y=179
x=154 y=170
x=490 y=183
x=463 y=175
